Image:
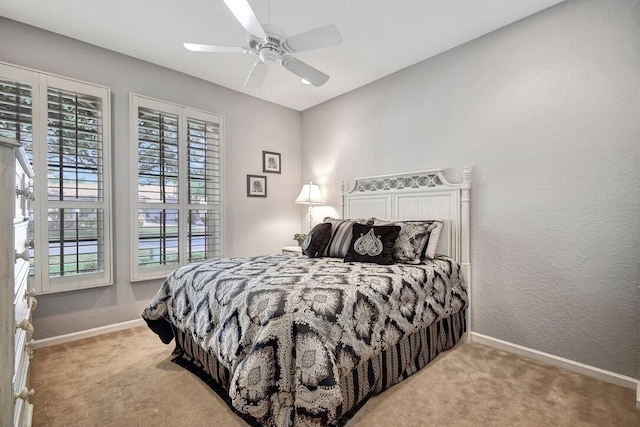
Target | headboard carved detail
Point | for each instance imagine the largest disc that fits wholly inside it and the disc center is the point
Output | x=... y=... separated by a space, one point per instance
x=397 y=182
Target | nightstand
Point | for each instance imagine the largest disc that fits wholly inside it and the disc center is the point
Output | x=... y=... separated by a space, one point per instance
x=292 y=250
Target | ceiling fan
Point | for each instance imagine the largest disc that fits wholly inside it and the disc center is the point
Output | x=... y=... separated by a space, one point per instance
x=271 y=44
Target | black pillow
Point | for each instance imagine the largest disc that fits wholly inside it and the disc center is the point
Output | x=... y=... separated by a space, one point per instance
x=317 y=240
x=372 y=244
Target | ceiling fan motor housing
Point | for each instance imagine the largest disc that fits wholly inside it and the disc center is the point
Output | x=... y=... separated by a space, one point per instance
x=272 y=48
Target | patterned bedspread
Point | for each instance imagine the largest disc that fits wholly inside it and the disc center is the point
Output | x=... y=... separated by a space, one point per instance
x=288 y=328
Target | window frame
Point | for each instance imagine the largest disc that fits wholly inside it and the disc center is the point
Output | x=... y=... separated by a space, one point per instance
x=40 y=83
x=183 y=206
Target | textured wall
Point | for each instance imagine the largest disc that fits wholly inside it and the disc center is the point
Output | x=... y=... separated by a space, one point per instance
x=546 y=111
x=252 y=225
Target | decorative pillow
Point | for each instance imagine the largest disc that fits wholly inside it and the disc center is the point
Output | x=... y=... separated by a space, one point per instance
x=435 y=229
x=340 y=236
x=412 y=241
x=372 y=244
x=317 y=240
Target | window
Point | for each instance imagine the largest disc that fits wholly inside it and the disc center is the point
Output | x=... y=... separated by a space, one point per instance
x=64 y=127
x=178 y=198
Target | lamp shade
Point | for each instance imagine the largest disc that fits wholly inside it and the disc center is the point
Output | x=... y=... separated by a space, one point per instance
x=310 y=195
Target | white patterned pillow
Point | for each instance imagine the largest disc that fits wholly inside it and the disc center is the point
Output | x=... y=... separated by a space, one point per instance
x=417 y=239
x=411 y=241
x=435 y=229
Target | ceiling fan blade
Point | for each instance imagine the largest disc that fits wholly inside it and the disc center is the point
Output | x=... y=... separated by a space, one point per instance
x=194 y=47
x=326 y=36
x=244 y=14
x=256 y=76
x=304 y=71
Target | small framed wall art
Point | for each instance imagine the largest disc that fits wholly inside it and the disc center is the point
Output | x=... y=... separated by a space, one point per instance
x=256 y=186
x=270 y=162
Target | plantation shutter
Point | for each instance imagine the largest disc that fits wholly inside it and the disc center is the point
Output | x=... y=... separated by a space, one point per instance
x=16 y=122
x=64 y=127
x=16 y=113
x=75 y=179
x=179 y=193
x=158 y=183
x=77 y=158
x=203 y=142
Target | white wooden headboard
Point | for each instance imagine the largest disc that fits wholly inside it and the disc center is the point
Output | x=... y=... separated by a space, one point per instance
x=418 y=195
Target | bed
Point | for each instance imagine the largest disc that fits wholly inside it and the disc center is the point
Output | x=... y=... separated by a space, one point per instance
x=307 y=340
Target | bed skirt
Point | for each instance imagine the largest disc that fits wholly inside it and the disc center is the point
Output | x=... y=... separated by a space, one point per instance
x=369 y=378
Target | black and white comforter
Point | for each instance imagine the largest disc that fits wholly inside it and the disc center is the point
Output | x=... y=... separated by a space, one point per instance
x=288 y=328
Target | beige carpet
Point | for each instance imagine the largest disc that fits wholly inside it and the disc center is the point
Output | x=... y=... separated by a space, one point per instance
x=126 y=379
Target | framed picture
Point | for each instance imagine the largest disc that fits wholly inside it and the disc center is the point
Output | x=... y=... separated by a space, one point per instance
x=256 y=186
x=270 y=162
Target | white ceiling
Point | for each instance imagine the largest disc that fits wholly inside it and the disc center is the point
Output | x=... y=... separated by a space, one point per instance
x=380 y=36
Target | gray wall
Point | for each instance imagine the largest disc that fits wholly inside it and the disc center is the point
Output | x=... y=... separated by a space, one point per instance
x=252 y=225
x=546 y=112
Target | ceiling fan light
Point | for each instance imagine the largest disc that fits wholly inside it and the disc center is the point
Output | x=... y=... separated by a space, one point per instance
x=305 y=82
x=267 y=54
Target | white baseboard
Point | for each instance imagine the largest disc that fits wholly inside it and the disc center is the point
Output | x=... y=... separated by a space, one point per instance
x=61 y=339
x=560 y=362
